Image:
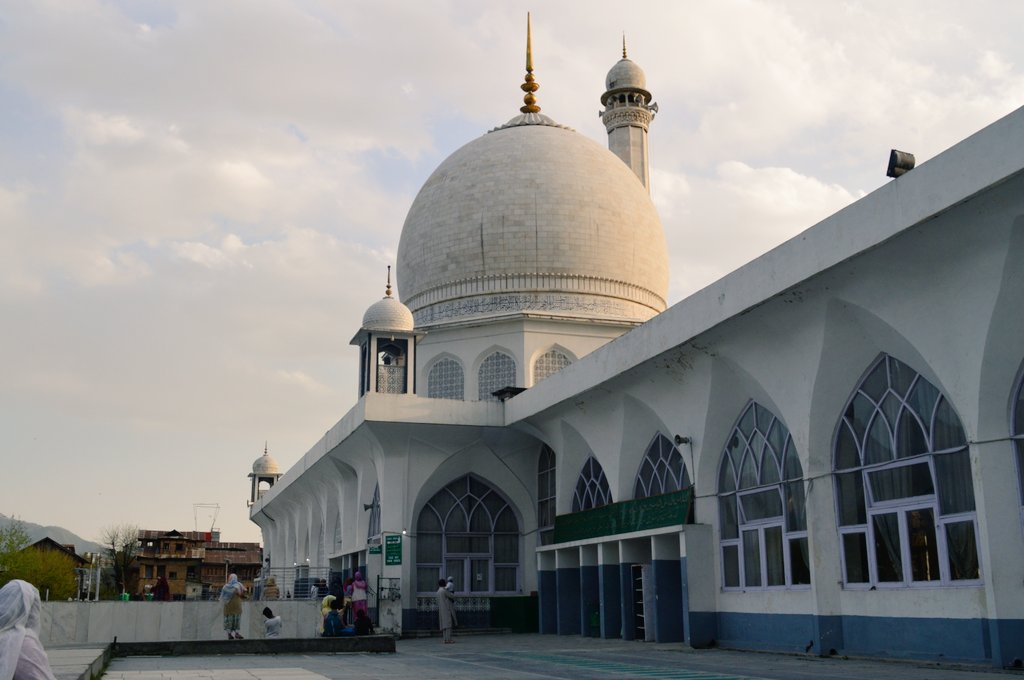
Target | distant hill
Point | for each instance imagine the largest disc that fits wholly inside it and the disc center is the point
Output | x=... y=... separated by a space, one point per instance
x=59 y=534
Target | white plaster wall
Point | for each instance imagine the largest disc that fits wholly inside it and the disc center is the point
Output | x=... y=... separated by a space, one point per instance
x=65 y=623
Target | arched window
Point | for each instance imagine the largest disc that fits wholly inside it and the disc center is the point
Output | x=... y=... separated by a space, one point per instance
x=549 y=363
x=546 y=495
x=445 y=380
x=497 y=371
x=591 y=488
x=373 y=526
x=905 y=496
x=662 y=470
x=1018 y=436
x=761 y=505
x=469 y=532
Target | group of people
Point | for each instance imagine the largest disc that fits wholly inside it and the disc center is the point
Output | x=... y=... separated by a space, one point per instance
x=341 y=600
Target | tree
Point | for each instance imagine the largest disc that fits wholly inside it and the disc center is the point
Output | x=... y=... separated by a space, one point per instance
x=13 y=540
x=121 y=545
x=52 y=572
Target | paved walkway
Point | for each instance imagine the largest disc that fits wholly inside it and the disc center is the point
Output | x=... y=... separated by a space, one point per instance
x=527 y=657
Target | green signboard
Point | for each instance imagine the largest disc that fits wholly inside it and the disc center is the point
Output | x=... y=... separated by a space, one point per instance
x=625 y=517
x=392 y=549
x=374 y=550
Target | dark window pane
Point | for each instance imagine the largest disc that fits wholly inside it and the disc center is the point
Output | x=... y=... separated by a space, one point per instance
x=924 y=553
x=774 y=559
x=1020 y=467
x=888 y=553
x=429 y=521
x=791 y=462
x=910 y=439
x=907 y=481
x=876 y=383
x=751 y=559
x=947 y=432
x=428 y=547
x=878 y=443
x=506 y=548
x=480 y=576
x=727 y=511
x=748 y=470
x=777 y=437
x=764 y=418
x=770 y=467
x=901 y=376
x=731 y=566
x=850 y=487
x=427 y=578
x=858 y=413
x=796 y=512
x=855 y=551
x=891 y=408
x=761 y=505
x=747 y=421
x=956 y=486
x=456 y=520
x=726 y=476
x=847 y=454
x=922 y=399
x=963 y=551
x=799 y=565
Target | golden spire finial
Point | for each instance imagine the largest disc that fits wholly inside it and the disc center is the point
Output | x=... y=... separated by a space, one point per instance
x=529 y=87
x=387 y=291
x=624 y=45
x=265 y=447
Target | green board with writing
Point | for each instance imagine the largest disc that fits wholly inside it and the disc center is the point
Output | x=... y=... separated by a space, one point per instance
x=625 y=517
x=392 y=549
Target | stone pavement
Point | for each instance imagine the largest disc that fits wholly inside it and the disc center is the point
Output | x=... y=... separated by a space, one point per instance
x=524 y=657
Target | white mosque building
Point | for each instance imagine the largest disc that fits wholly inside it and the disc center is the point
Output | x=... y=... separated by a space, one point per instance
x=822 y=452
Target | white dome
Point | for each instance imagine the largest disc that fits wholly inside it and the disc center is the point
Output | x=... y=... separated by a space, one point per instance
x=265 y=465
x=626 y=74
x=388 y=315
x=533 y=217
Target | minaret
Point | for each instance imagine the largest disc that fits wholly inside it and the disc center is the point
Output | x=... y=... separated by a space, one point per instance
x=627 y=115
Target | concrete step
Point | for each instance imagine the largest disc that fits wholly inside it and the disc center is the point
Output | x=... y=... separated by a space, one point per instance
x=459 y=632
x=364 y=643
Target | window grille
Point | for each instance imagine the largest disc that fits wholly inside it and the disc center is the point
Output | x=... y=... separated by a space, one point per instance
x=591 y=487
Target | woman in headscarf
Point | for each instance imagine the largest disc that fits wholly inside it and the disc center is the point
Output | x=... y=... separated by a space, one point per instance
x=271 y=591
x=231 y=595
x=359 y=594
x=21 y=653
x=325 y=609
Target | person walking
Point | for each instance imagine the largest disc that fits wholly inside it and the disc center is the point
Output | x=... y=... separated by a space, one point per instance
x=445 y=612
x=21 y=652
x=231 y=596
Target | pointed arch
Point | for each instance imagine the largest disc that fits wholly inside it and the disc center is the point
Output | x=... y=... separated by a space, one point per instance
x=904 y=489
x=496 y=371
x=373 y=524
x=662 y=469
x=446 y=379
x=546 y=496
x=1017 y=433
x=591 y=487
x=761 y=505
x=469 y=531
x=549 y=363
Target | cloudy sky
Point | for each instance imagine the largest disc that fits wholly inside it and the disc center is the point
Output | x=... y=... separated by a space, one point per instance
x=198 y=200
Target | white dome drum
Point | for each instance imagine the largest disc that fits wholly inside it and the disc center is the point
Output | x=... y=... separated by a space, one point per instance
x=532 y=217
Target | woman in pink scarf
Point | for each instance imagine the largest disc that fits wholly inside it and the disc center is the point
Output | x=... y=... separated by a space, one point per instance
x=359 y=594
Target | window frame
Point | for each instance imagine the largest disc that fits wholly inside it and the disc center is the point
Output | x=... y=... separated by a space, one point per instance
x=905 y=506
x=789 y=537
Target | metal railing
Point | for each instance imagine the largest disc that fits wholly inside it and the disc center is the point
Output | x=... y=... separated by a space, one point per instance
x=292 y=583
